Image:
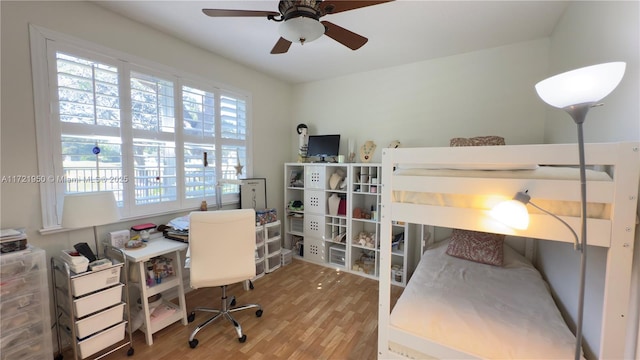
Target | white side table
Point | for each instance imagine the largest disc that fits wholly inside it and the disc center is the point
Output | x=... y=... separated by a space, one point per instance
x=157 y=247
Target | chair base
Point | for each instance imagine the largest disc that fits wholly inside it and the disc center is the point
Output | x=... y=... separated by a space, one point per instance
x=227 y=307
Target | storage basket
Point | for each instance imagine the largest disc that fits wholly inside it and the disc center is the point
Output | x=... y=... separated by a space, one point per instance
x=296 y=224
x=286 y=256
x=337 y=256
x=89 y=282
x=101 y=340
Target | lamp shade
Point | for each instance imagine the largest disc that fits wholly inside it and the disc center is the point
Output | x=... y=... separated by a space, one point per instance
x=512 y=213
x=89 y=209
x=581 y=86
x=301 y=29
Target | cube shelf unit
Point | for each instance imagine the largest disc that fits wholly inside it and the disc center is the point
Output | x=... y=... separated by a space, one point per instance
x=348 y=238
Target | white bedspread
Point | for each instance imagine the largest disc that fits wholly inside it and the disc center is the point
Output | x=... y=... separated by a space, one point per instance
x=492 y=312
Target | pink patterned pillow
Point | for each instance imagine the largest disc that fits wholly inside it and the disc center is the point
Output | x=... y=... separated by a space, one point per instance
x=481 y=247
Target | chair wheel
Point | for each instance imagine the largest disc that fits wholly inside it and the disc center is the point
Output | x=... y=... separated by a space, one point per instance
x=233 y=302
x=193 y=343
x=191 y=316
x=130 y=351
x=259 y=313
x=243 y=338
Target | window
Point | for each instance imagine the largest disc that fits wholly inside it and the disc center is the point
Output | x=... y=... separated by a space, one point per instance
x=107 y=121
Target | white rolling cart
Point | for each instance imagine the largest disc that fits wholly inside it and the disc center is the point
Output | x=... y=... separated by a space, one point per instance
x=90 y=307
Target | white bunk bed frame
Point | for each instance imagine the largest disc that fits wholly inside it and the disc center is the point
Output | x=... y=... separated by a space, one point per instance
x=616 y=233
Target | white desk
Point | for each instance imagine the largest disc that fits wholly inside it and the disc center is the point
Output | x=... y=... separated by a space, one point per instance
x=157 y=247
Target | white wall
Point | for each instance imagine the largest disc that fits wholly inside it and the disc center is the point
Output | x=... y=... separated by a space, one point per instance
x=591 y=33
x=487 y=92
x=21 y=202
x=491 y=92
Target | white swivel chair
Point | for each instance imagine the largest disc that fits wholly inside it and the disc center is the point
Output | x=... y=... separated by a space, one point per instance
x=222 y=252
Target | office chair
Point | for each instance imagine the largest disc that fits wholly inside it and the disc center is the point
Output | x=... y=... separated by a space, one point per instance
x=222 y=250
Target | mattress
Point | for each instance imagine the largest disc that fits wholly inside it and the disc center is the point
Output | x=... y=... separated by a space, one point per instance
x=490 y=312
x=561 y=208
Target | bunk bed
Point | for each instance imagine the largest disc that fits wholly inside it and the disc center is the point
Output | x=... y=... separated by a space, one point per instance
x=455 y=188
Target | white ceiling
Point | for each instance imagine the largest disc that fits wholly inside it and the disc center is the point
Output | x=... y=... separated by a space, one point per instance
x=399 y=32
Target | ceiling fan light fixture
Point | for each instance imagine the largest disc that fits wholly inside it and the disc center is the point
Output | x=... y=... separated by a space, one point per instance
x=301 y=29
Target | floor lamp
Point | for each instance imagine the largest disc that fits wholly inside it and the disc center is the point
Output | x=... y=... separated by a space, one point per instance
x=575 y=92
x=83 y=210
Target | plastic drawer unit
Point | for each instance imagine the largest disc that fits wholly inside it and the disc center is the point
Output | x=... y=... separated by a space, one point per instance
x=25 y=331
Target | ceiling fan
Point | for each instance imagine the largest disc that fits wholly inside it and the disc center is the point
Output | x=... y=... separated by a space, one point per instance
x=300 y=21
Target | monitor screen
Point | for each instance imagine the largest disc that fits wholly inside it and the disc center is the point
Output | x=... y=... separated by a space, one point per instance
x=323 y=146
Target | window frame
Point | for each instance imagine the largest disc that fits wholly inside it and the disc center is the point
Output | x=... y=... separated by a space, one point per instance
x=48 y=129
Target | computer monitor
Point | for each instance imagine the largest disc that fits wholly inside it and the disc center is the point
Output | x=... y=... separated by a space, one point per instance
x=323 y=146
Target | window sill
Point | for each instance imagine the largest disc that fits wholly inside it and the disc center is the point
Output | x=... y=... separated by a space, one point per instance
x=59 y=229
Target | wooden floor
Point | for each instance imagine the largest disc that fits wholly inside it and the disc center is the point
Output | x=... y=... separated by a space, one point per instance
x=310 y=312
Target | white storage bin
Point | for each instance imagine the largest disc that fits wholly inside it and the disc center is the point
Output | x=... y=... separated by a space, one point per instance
x=314 y=226
x=28 y=302
x=20 y=318
x=273 y=263
x=296 y=224
x=286 y=256
x=91 y=303
x=314 y=249
x=19 y=284
x=100 y=321
x=95 y=280
x=259 y=234
x=259 y=252
x=260 y=267
x=273 y=230
x=315 y=202
x=101 y=340
x=15 y=339
x=34 y=349
x=77 y=263
x=19 y=263
x=337 y=256
x=314 y=177
x=273 y=247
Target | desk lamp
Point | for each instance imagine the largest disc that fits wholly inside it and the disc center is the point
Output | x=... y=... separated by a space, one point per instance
x=514 y=213
x=575 y=92
x=87 y=209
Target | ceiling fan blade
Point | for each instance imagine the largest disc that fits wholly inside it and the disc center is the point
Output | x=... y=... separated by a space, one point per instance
x=336 y=6
x=281 y=47
x=345 y=37
x=237 y=13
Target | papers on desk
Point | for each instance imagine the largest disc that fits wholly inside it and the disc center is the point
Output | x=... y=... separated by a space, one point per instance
x=12 y=240
x=178 y=229
x=10 y=233
x=180 y=223
x=178 y=235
